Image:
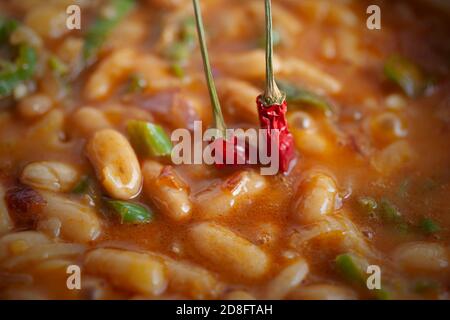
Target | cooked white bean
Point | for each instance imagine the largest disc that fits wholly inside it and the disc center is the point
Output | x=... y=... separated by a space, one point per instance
x=239 y=295
x=311 y=74
x=239 y=98
x=238 y=190
x=109 y=72
x=289 y=278
x=42 y=252
x=15 y=243
x=194 y=281
x=137 y=272
x=167 y=190
x=322 y=292
x=50 y=175
x=87 y=120
x=79 y=222
x=317 y=198
x=247 y=65
x=228 y=251
x=115 y=163
x=393 y=157
x=422 y=257
x=34 y=105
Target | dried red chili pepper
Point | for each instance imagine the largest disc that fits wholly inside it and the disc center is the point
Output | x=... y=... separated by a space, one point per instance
x=272 y=105
x=25 y=204
x=222 y=142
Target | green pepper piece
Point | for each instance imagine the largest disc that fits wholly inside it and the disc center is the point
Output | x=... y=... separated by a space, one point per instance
x=351 y=267
x=130 y=212
x=98 y=32
x=429 y=226
x=406 y=75
x=149 y=139
x=22 y=70
x=296 y=95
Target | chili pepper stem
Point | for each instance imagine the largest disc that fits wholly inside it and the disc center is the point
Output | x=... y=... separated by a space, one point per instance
x=272 y=94
x=219 y=123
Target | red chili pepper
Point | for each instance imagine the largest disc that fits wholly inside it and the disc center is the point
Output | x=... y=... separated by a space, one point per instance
x=240 y=154
x=272 y=105
x=274 y=117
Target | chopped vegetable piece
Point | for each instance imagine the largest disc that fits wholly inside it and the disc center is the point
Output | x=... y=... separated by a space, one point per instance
x=97 y=33
x=57 y=66
x=368 y=204
x=180 y=50
x=22 y=70
x=429 y=226
x=178 y=70
x=406 y=75
x=149 y=139
x=389 y=212
x=137 y=83
x=351 y=268
x=82 y=186
x=130 y=212
x=296 y=95
x=7 y=26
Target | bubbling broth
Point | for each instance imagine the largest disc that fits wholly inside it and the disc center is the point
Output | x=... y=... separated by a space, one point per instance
x=86 y=176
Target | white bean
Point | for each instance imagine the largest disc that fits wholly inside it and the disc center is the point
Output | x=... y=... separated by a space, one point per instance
x=422 y=258
x=228 y=251
x=79 y=222
x=289 y=278
x=317 y=198
x=167 y=190
x=50 y=175
x=137 y=272
x=115 y=163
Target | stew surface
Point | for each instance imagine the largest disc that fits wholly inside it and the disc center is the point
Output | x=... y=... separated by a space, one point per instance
x=86 y=180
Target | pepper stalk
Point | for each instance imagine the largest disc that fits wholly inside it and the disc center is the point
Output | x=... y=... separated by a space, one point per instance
x=219 y=123
x=272 y=95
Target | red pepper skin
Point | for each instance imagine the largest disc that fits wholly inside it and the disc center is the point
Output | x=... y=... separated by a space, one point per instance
x=274 y=117
x=240 y=153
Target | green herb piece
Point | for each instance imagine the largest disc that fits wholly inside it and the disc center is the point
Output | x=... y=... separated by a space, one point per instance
x=22 y=70
x=137 y=83
x=7 y=26
x=57 y=66
x=429 y=226
x=130 y=212
x=296 y=96
x=82 y=186
x=98 y=32
x=389 y=212
x=368 y=204
x=406 y=75
x=149 y=139
x=178 y=70
x=181 y=50
x=351 y=268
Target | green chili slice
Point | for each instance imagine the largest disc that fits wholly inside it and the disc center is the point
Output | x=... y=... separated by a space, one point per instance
x=7 y=26
x=98 y=32
x=300 y=96
x=351 y=268
x=22 y=70
x=149 y=139
x=130 y=212
x=406 y=75
x=389 y=212
x=429 y=226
